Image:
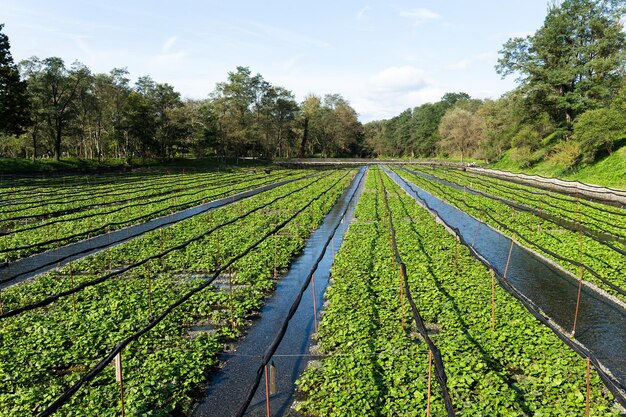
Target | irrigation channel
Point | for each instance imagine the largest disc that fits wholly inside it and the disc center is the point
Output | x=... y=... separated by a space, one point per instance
x=546 y=288
x=25 y=268
x=229 y=387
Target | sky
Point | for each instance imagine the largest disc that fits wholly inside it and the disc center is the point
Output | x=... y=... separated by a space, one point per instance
x=382 y=56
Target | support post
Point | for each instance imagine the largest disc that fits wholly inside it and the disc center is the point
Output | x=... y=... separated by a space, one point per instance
x=508 y=260
x=119 y=378
x=267 y=393
x=493 y=299
x=430 y=369
x=314 y=302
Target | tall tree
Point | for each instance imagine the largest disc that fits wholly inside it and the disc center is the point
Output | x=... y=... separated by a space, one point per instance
x=574 y=62
x=461 y=131
x=57 y=88
x=14 y=103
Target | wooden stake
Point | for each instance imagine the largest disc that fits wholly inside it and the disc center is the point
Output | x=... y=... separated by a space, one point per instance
x=149 y=290
x=506 y=268
x=456 y=256
x=493 y=299
x=161 y=236
x=401 y=291
x=314 y=302
x=72 y=285
x=267 y=393
x=275 y=258
x=430 y=367
x=119 y=378
x=230 y=290
x=587 y=402
x=476 y=234
x=273 y=381
x=580 y=286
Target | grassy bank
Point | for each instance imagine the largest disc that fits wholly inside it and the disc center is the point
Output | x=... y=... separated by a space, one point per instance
x=76 y=165
x=609 y=172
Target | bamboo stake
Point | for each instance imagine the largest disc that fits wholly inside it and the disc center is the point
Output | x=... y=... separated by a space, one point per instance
x=402 y=297
x=430 y=367
x=587 y=402
x=456 y=256
x=506 y=268
x=230 y=291
x=580 y=274
x=493 y=299
x=149 y=290
x=314 y=302
x=267 y=393
x=476 y=234
x=120 y=379
x=72 y=285
x=580 y=285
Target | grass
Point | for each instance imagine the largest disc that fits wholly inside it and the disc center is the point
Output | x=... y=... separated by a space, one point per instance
x=609 y=171
x=76 y=165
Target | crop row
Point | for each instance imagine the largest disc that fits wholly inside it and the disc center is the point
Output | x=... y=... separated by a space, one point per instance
x=44 y=351
x=18 y=213
x=605 y=266
x=371 y=366
x=602 y=217
x=23 y=190
x=66 y=229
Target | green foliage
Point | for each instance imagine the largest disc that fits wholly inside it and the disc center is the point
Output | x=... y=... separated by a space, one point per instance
x=14 y=105
x=415 y=132
x=372 y=366
x=598 y=130
x=167 y=367
x=573 y=62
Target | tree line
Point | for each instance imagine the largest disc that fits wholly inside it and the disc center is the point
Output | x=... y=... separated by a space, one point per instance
x=50 y=109
x=569 y=106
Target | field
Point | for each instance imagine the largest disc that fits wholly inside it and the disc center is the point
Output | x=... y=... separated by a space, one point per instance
x=414 y=323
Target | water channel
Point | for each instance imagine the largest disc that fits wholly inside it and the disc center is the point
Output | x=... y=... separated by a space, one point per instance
x=229 y=385
x=601 y=324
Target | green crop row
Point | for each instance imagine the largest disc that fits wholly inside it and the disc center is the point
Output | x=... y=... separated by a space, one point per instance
x=100 y=222
x=608 y=263
x=594 y=215
x=44 y=351
x=372 y=367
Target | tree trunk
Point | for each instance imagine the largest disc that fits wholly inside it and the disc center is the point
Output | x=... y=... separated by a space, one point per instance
x=305 y=138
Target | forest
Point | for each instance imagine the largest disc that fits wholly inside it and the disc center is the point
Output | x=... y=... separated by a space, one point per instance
x=568 y=107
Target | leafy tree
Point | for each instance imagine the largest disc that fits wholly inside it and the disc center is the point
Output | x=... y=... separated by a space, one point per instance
x=310 y=110
x=573 y=62
x=597 y=130
x=461 y=131
x=57 y=89
x=14 y=103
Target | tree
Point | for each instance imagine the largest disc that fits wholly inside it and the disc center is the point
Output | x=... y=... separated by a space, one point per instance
x=310 y=108
x=57 y=89
x=461 y=131
x=14 y=102
x=599 y=129
x=574 y=62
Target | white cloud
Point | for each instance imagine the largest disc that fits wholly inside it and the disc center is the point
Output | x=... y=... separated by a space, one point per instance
x=168 y=61
x=393 y=90
x=466 y=63
x=169 y=43
x=289 y=64
x=362 y=14
x=398 y=79
x=419 y=15
x=460 y=65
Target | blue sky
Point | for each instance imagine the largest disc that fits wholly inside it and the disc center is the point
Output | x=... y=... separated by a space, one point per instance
x=383 y=56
